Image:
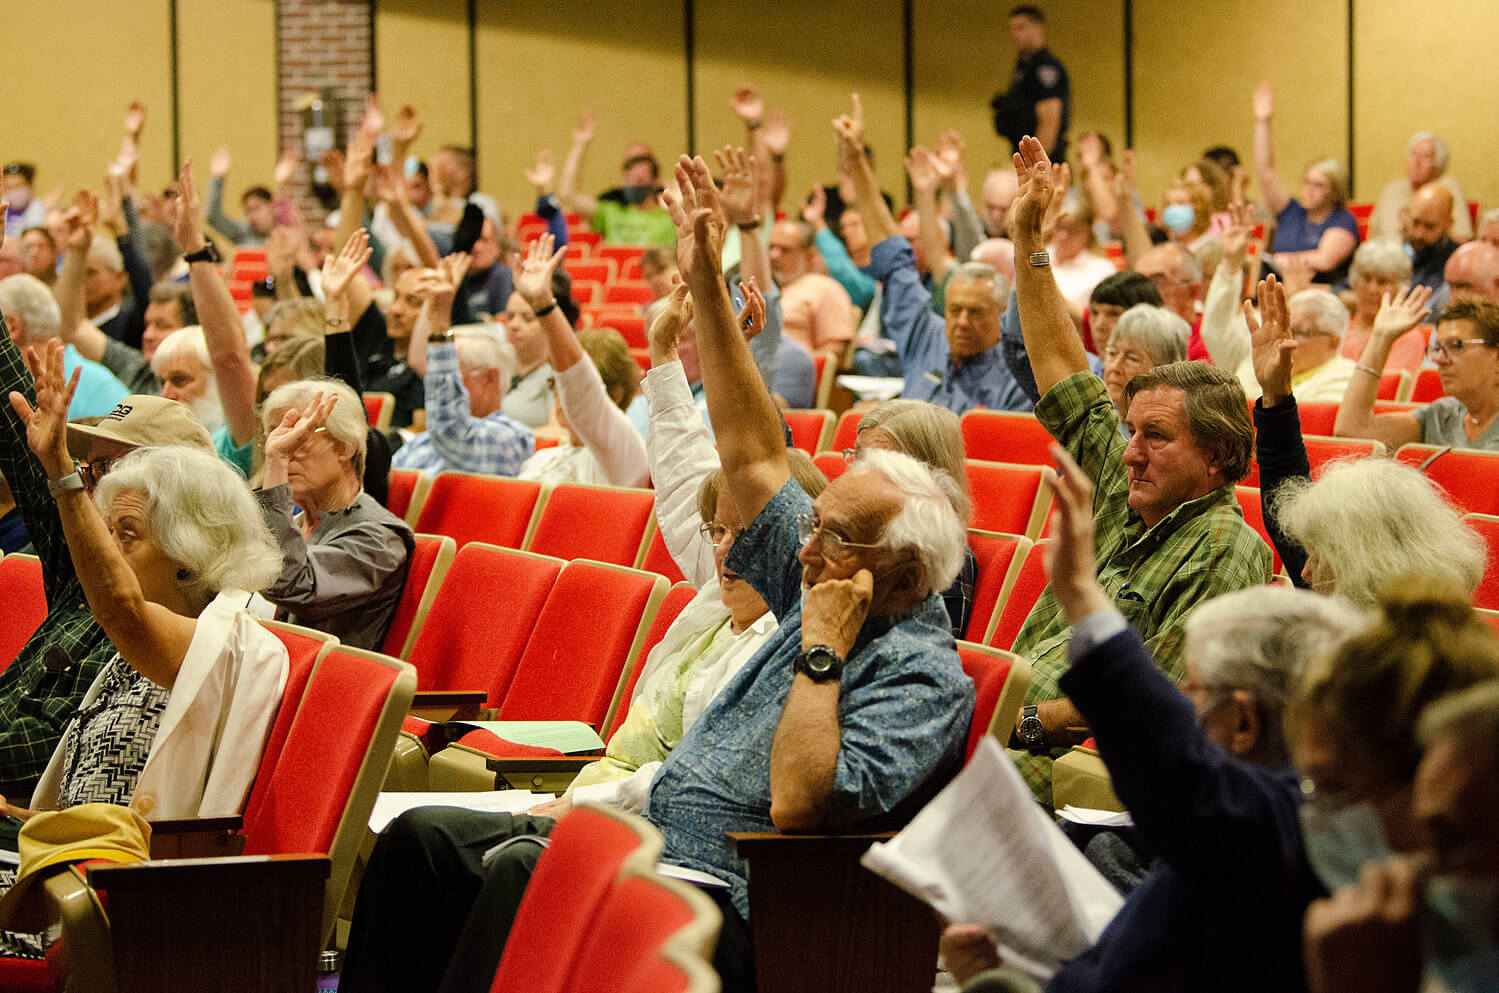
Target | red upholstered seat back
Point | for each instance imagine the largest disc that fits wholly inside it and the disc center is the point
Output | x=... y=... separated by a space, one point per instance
x=559 y=911
x=1428 y=386
x=594 y=522
x=807 y=427
x=398 y=494
x=1005 y=436
x=490 y=743
x=1469 y=476
x=302 y=652
x=1023 y=596
x=579 y=644
x=638 y=917
x=1487 y=594
x=311 y=783
x=658 y=559
x=468 y=508
x=1004 y=496
x=678 y=597
x=992 y=554
x=1252 y=504
x=419 y=573
x=988 y=674
x=846 y=434
x=831 y=464
x=478 y=626
x=25 y=600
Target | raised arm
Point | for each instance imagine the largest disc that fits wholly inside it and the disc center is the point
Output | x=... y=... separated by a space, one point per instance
x=548 y=206
x=224 y=332
x=390 y=187
x=76 y=330
x=1051 y=339
x=149 y=637
x=850 y=130
x=921 y=166
x=357 y=165
x=1222 y=331
x=1356 y=417
x=967 y=229
x=438 y=287
x=738 y=202
x=1131 y=228
x=572 y=198
x=745 y=422
x=1335 y=245
x=1271 y=185
x=1097 y=181
x=218 y=172
x=859 y=284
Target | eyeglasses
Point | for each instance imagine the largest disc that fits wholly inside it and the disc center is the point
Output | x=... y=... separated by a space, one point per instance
x=849 y=454
x=93 y=472
x=717 y=533
x=1452 y=349
x=833 y=545
x=1302 y=334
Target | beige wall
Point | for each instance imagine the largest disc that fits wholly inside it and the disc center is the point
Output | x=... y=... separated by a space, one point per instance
x=421 y=58
x=226 y=54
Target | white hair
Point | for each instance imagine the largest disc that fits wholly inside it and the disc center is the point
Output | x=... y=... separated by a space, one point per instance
x=28 y=298
x=926 y=523
x=479 y=350
x=104 y=251
x=983 y=271
x=202 y=516
x=1381 y=257
x=1323 y=311
x=348 y=423
x=1442 y=154
x=1374 y=519
x=1160 y=331
x=189 y=340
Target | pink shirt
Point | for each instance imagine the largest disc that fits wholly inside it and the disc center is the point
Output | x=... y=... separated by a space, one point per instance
x=817 y=313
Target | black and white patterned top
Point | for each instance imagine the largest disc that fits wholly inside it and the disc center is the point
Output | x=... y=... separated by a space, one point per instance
x=106 y=744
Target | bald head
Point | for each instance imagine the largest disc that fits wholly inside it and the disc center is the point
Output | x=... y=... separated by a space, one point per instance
x=1427 y=217
x=1472 y=273
x=1177 y=277
x=1000 y=188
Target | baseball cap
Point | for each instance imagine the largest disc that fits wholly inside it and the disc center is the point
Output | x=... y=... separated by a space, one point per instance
x=140 y=421
x=56 y=837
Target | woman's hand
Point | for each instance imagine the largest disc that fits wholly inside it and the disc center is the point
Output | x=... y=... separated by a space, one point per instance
x=967 y=950
x=534 y=281
x=47 y=424
x=751 y=319
x=339 y=270
x=738 y=194
x=187 y=228
x=1271 y=343
x=1402 y=312
x=666 y=330
x=1070 y=563
x=815 y=210
x=296 y=427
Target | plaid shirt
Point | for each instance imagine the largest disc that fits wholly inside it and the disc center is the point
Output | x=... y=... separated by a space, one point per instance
x=1155 y=576
x=42 y=688
x=456 y=439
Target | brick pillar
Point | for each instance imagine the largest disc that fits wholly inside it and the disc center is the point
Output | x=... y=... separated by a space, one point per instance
x=321 y=45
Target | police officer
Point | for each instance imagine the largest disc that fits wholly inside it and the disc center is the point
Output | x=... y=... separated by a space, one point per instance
x=1039 y=100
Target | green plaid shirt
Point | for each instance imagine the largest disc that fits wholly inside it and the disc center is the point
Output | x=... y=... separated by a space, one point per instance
x=42 y=688
x=1155 y=576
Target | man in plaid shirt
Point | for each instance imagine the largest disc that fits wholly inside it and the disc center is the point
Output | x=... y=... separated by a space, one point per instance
x=1169 y=530
x=42 y=688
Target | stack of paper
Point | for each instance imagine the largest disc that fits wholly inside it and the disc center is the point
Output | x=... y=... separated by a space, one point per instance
x=389 y=806
x=983 y=852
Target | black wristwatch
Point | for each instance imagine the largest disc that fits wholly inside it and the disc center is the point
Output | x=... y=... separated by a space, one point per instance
x=1031 y=732
x=205 y=254
x=820 y=663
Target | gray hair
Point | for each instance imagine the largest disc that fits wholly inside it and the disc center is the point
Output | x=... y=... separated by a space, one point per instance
x=1372 y=519
x=1470 y=716
x=927 y=523
x=190 y=340
x=479 y=351
x=29 y=298
x=1381 y=257
x=1161 y=332
x=927 y=433
x=1443 y=154
x=1260 y=639
x=303 y=316
x=998 y=285
x=1324 y=311
x=347 y=422
x=202 y=515
x=104 y=251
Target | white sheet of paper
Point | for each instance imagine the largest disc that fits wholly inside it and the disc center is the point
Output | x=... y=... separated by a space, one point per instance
x=1095 y=817
x=872 y=387
x=984 y=852
x=565 y=736
x=389 y=806
x=692 y=876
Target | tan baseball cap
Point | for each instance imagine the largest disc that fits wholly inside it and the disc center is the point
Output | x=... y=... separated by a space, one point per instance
x=60 y=837
x=140 y=421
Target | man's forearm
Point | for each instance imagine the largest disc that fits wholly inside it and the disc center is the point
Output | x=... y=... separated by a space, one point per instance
x=228 y=352
x=804 y=755
x=877 y=219
x=75 y=328
x=567 y=184
x=1064 y=723
x=1051 y=339
x=929 y=230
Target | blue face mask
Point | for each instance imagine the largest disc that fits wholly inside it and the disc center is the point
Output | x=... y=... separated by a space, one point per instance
x=1339 y=842
x=1178 y=218
x=1458 y=946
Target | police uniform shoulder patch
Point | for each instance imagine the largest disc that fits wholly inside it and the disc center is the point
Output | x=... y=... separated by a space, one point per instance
x=1048 y=76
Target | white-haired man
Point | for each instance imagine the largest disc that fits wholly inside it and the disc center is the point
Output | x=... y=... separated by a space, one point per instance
x=184 y=372
x=1426 y=159
x=32 y=316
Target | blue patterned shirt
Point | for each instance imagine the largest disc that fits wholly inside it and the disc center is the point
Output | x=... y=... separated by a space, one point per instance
x=903 y=714
x=455 y=439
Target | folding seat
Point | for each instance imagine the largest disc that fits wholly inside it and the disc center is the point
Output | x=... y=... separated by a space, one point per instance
x=1395 y=384
x=1005 y=436
x=428 y=564
x=628 y=268
x=585 y=241
x=811 y=430
x=827 y=373
x=1487 y=526
x=622 y=254
x=469 y=507
x=1029 y=583
x=587 y=291
x=1000 y=680
x=1317 y=418
x=638 y=293
x=1009 y=498
x=846 y=434
x=658 y=559
x=642 y=914
x=1469 y=476
x=599 y=271
x=1428 y=386
x=25 y=600
x=1321 y=450
x=407 y=491
x=998 y=558
x=607 y=523
x=832 y=464
x=1254 y=515
x=631 y=326
x=378 y=408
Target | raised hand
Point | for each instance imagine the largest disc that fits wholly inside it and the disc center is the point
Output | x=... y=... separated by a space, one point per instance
x=1271 y=344
x=665 y=332
x=333 y=164
x=921 y=166
x=1090 y=150
x=339 y=269
x=47 y=425
x=950 y=147
x=1061 y=180
x=1235 y=234
x=1264 y=101
x=534 y=281
x=541 y=174
x=390 y=182
x=747 y=105
x=1402 y=312
x=1037 y=182
x=297 y=427
x=850 y=126
x=135 y=119
x=372 y=123
x=112 y=204
x=186 y=226
x=281 y=249
x=775 y=135
x=738 y=194
x=80 y=220
x=751 y=317
x=359 y=161
x=286 y=167
x=815 y=210
x=408 y=125
x=694 y=209
x=584 y=130
x=1124 y=176
x=218 y=166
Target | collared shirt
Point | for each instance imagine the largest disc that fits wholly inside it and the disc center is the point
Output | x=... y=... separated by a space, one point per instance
x=903 y=715
x=41 y=689
x=98 y=389
x=982 y=380
x=456 y=439
x=1155 y=576
x=129 y=367
x=529 y=398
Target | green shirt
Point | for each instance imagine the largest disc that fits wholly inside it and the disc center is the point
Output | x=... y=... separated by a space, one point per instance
x=621 y=225
x=241 y=457
x=1155 y=576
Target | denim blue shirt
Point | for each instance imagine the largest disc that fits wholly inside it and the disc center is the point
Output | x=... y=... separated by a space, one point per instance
x=455 y=439
x=920 y=336
x=903 y=713
x=1012 y=345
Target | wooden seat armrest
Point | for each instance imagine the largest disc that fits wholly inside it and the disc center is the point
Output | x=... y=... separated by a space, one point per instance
x=197 y=837
x=750 y=845
x=187 y=825
x=448 y=705
x=116 y=877
x=542 y=764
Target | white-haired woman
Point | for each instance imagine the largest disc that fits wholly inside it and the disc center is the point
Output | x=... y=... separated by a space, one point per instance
x=1380 y=267
x=1426 y=159
x=167 y=551
x=343 y=556
x=1144 y=337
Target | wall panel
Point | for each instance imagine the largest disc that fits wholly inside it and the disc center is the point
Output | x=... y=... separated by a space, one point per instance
x=422 y=58
x=1196 y=65
x=540 y=63
x=226 y=56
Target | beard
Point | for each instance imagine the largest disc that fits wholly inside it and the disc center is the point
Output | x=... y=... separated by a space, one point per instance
x=208 y=408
